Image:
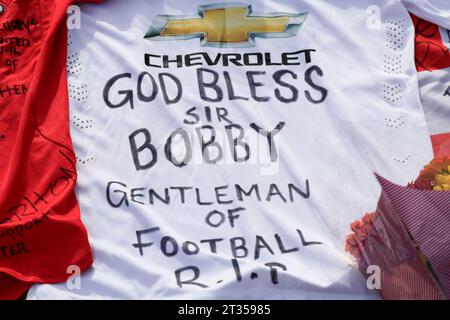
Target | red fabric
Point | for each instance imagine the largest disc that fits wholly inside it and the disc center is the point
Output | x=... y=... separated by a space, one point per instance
x=431 y=52
x=41 y=233
x=441 y=144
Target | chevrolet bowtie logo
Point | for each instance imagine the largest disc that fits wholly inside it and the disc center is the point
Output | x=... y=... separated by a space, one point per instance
x=226 y=25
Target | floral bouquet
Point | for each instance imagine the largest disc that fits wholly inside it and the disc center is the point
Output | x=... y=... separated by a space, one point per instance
x=408 y=237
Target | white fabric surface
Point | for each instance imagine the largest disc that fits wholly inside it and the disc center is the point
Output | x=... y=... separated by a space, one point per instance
x=371 y=120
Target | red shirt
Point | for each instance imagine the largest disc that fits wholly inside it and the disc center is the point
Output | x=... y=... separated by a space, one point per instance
x=432 y=54
x=41 y=233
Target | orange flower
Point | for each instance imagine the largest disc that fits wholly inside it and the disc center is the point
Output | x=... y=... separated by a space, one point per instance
x=434 y=176
x=354 y=243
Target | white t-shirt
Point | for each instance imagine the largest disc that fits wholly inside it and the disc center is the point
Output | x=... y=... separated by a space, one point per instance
x=224 y=149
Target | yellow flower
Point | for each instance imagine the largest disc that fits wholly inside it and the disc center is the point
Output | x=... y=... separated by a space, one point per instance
x=444 y=187
x=442 y=182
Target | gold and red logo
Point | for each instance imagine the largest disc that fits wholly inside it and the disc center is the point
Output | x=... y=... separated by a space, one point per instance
x=226 y=25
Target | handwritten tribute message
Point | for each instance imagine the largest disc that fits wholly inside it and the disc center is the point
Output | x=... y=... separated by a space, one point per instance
x=31 y=212
x=15 y=39
x=210 y=135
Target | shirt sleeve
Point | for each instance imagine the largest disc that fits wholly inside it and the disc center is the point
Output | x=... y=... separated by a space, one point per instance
x=41 y=232
x=436 y=11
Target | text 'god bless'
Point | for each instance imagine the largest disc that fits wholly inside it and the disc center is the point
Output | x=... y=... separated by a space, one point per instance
x=219 y=77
